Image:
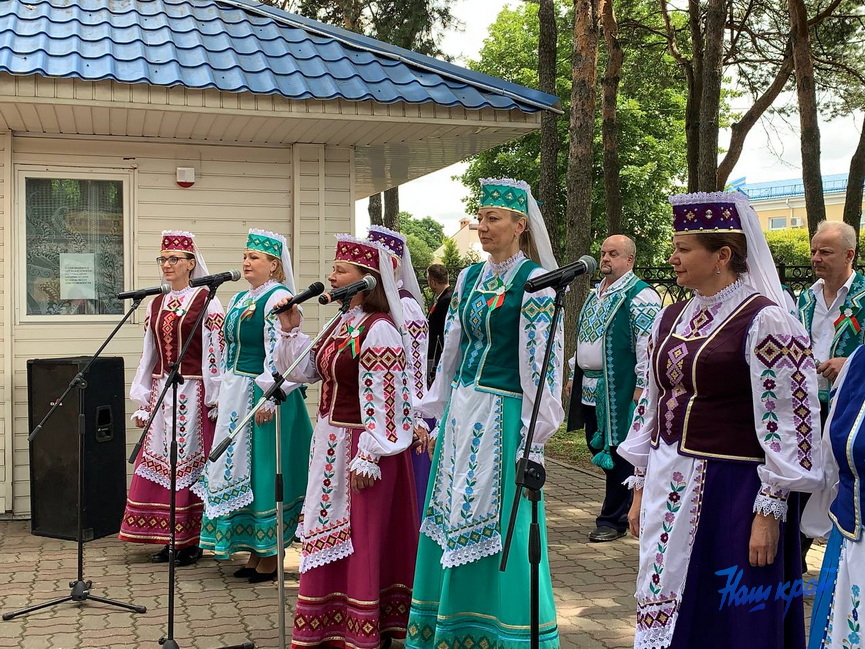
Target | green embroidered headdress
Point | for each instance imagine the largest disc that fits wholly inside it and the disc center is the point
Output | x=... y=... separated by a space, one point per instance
x=508 y=195
x=266 y=242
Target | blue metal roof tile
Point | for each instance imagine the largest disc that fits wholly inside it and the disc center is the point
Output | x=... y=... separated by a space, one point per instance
x=235 y=46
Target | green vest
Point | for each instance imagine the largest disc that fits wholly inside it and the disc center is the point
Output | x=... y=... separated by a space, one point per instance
x=490 y=337
x=244 y=344
x=848 y=332
x=615 y=396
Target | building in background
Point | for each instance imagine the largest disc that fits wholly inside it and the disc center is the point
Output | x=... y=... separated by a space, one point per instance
x=121 y=119
x=780 y=204
x=466 y=240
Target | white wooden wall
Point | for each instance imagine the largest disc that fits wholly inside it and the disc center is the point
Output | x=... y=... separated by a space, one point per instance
x=236 y=188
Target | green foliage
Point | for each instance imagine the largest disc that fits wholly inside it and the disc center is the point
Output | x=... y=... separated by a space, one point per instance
x=651 y=122
x=451 y=258
x=421 y=253
x=430 y=231
x=790 y=246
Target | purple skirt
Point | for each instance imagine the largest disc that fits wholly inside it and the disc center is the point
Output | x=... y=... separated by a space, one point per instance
x=710 y=616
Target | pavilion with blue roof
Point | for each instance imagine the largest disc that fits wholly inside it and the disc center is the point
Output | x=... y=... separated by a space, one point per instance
x=121 y=118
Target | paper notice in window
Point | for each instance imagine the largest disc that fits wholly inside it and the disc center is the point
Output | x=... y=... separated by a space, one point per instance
x=77 y=276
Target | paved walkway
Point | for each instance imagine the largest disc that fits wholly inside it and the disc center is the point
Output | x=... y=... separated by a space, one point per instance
x=593 y=583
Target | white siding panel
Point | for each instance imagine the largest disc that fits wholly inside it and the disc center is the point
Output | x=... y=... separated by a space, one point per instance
x=6 y=409
x=236 y=188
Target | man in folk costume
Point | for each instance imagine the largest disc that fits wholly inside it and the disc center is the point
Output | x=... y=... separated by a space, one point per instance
x=832 y=310
x=411 y=299
x=609 y=368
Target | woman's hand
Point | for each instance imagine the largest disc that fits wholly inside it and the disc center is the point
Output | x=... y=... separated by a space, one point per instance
x=262 y=416
x=139 y=423
x=421 y=440
x=290 y=319
x=634 y=513
x=359 y=481
x=765 y=533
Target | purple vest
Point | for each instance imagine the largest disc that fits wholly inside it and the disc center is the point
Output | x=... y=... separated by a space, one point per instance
x=338 y=360
x=706 y=403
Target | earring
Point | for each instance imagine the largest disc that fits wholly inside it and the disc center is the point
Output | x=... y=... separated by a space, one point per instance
x=717 y=270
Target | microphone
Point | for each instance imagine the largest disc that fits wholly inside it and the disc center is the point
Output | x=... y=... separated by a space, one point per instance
x=162 y=289
x=316 y=288
x=344 y=293
x=216 y=279
x=564 y=275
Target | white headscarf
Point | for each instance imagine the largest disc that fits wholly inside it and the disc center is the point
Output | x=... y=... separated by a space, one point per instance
x=762 y=274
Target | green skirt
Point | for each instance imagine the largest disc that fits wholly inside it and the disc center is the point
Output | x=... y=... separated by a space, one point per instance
x=253 y=527
x=475 y=605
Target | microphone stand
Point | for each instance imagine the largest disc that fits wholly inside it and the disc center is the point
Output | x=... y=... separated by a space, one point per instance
x=278 y=396
x=80 y=588
x=173 y=380
x=531 y=476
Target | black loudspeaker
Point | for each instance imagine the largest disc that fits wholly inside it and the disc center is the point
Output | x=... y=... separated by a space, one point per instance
x=54 y=451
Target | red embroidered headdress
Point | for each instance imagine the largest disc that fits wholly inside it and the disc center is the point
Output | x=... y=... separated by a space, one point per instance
x=178 y=241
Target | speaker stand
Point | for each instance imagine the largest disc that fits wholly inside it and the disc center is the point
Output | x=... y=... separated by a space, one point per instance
x=80 y=588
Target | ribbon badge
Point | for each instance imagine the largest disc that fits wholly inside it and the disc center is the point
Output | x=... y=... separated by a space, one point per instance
x=350 y=340
x=249 y=311
x=847 y=320
x=498 y=297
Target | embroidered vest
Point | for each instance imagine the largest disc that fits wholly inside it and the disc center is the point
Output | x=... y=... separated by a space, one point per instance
x=620 y=359
x=171 y=331
x=338 y=361
x=705 y=402
x=491 y=337
x=244 y=345
x=848 y=446
x=846 y=338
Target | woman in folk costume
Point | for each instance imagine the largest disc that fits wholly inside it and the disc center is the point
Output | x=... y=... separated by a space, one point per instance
x=836 y=511
x=238 y=489
x=411 y=299
x=168 y=325
x=483 y=394
x=359 y=528
x=723 y=433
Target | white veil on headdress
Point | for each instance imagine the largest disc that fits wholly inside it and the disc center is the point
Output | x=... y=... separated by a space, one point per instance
x=200 y=269
x=386 y=264
x=762 y=274
x=405 y=273
x=284 y=257
x=537 y=227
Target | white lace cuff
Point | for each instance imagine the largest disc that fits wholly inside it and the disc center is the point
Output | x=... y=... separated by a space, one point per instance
x=365 y=465
x=213 y=413
x=421 y=422
x=635 y=482
x=434 y=433
x=269 y=406
x=289 y=334
x=535 y=455
x=772 y=500
x=141 y=414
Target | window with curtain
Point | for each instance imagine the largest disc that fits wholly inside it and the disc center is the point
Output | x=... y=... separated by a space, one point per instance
x=73 y=246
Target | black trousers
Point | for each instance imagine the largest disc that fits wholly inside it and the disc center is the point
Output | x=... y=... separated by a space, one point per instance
x=804 y=497
x=617 y=497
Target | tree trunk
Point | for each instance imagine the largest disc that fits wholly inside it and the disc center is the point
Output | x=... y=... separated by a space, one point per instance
x=694 y=76
x=391 y=208
x=374 y=210
x=853 y=200
x=609 y=120
x=710 y=98
x=579 y=177
x=812 y=179
x=741 y=128
x=548 y=190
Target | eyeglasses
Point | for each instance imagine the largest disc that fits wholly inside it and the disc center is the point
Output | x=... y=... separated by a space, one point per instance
x=171 y=260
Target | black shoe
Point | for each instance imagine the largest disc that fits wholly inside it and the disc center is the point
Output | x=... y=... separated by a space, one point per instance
x=386 y=643
x=161 y=556
x=244 y=573
x=603 y=534
x=188 y=556
x=259 y=577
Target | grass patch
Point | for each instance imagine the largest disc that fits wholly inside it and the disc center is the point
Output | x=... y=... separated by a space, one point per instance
x=570 y=447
